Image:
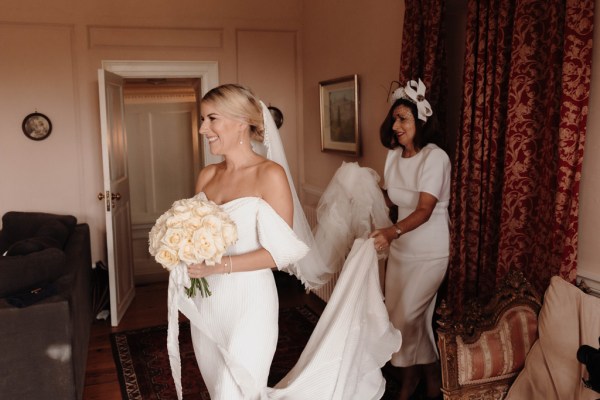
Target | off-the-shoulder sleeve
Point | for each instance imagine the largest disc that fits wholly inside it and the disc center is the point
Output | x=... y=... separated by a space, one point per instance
x=276 y=236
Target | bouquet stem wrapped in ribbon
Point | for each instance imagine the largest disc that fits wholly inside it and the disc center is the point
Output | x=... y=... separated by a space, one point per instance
x=192 y=231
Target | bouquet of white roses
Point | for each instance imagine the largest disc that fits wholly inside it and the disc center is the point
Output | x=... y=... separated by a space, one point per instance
x=192 y=231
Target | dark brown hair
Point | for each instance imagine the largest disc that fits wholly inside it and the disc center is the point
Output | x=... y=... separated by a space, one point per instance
x=425 y=132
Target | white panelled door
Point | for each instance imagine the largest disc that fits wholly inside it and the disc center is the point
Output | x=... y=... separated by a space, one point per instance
x=116 y=194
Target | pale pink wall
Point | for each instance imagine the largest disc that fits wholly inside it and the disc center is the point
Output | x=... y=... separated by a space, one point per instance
x=42 y=175
x=339 y=39
x=268 y=62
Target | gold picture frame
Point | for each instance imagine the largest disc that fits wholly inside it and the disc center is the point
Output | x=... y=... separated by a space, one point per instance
x=339 y=103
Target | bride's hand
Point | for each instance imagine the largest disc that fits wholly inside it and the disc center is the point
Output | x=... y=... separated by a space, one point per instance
x=202 y=270
x=383 y=237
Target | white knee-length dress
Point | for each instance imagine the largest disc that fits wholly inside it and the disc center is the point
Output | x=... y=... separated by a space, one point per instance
x=235 y=330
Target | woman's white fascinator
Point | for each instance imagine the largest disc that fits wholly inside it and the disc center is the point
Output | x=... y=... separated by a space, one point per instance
x=415 y=92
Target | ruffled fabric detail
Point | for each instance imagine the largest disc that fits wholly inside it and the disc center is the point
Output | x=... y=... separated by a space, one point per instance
x=351 y=207
x=276 y=236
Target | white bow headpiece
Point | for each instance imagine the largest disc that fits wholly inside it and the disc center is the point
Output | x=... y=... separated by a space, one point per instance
x=414 y=91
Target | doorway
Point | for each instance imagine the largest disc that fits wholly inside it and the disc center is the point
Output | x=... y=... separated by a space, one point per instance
x=164 y=157
x=201 y=75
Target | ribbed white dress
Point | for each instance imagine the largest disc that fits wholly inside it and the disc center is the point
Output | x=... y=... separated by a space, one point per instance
x=418 y=259
x=235 y=330
x=242 y=313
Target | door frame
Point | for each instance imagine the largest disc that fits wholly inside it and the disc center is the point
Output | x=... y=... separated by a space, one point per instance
x=206 y=71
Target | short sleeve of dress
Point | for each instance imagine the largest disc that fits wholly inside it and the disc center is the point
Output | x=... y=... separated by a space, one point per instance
x=435 y=173
x=276 y=236
x=388 y=163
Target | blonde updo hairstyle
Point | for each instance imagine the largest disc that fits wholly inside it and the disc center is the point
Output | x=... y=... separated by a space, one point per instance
x=238 y=102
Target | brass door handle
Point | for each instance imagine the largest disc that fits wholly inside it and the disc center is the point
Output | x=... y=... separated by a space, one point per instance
x=115 y=196
x=101 y=197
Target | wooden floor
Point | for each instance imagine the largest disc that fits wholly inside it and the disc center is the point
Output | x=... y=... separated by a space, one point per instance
x=149 y=308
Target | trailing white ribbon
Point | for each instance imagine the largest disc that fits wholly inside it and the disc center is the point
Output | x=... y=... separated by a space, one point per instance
x=177 y=280
x=414 y=91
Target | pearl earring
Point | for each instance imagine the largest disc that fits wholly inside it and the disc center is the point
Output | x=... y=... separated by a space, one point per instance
x=241 y=142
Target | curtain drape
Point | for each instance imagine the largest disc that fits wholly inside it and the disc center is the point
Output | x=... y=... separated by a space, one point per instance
x=424 y=52
x=519 y=152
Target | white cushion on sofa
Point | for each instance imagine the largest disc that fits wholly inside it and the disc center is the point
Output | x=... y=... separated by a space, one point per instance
x=568 y=319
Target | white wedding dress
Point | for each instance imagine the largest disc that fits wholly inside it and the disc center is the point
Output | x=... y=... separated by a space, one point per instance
x=351 y=342
x=235 y=330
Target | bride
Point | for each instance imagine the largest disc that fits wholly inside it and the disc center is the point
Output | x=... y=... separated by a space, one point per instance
x=234 y=331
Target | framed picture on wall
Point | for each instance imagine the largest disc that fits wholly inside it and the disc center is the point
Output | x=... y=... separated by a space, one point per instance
x=36 y=126
x=339 y=115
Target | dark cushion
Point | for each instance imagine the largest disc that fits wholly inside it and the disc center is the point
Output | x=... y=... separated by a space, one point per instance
x=3 y=243
x=19 y=225
x=25 y=246
x=19 y=273
x=32 y=296
x=52 y=234
x=55 y=233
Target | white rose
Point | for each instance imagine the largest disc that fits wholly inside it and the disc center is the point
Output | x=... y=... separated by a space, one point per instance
x=187 y=253
x=223 y=216
x=167 y=257
x=156 y=234
x=212 y=222
x=192 y=223
x=178 y=206
x=178 y=219
x=203 y=208
x=204 y=245
x=173 y=237
x=229 y=233
x=187 y=203
x=219 y=245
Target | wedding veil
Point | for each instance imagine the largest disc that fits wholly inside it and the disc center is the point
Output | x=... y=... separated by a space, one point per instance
x=311 y=270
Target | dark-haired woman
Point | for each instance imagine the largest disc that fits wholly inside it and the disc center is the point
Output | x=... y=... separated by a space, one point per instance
x=417 y=180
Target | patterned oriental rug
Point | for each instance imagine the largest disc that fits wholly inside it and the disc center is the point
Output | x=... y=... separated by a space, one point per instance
x=143 y=363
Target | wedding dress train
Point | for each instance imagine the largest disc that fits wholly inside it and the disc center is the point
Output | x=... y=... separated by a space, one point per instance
x=352 y=340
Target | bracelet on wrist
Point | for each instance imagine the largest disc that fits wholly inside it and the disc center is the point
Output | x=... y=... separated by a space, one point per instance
x=397 y=230
x=228 y=265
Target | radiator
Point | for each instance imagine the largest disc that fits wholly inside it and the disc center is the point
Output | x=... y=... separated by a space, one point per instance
x=324 y=292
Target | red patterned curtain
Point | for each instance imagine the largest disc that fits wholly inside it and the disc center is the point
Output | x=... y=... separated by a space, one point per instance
x=520 y=149
x=424 y=51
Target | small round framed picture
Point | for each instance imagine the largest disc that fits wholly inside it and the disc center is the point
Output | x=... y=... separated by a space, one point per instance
x=37 y=126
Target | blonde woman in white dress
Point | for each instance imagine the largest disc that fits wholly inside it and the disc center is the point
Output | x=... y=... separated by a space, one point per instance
x=234 y=331
x=417 y=180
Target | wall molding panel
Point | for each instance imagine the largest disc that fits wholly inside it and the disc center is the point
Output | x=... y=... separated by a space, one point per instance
x=106 y=36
